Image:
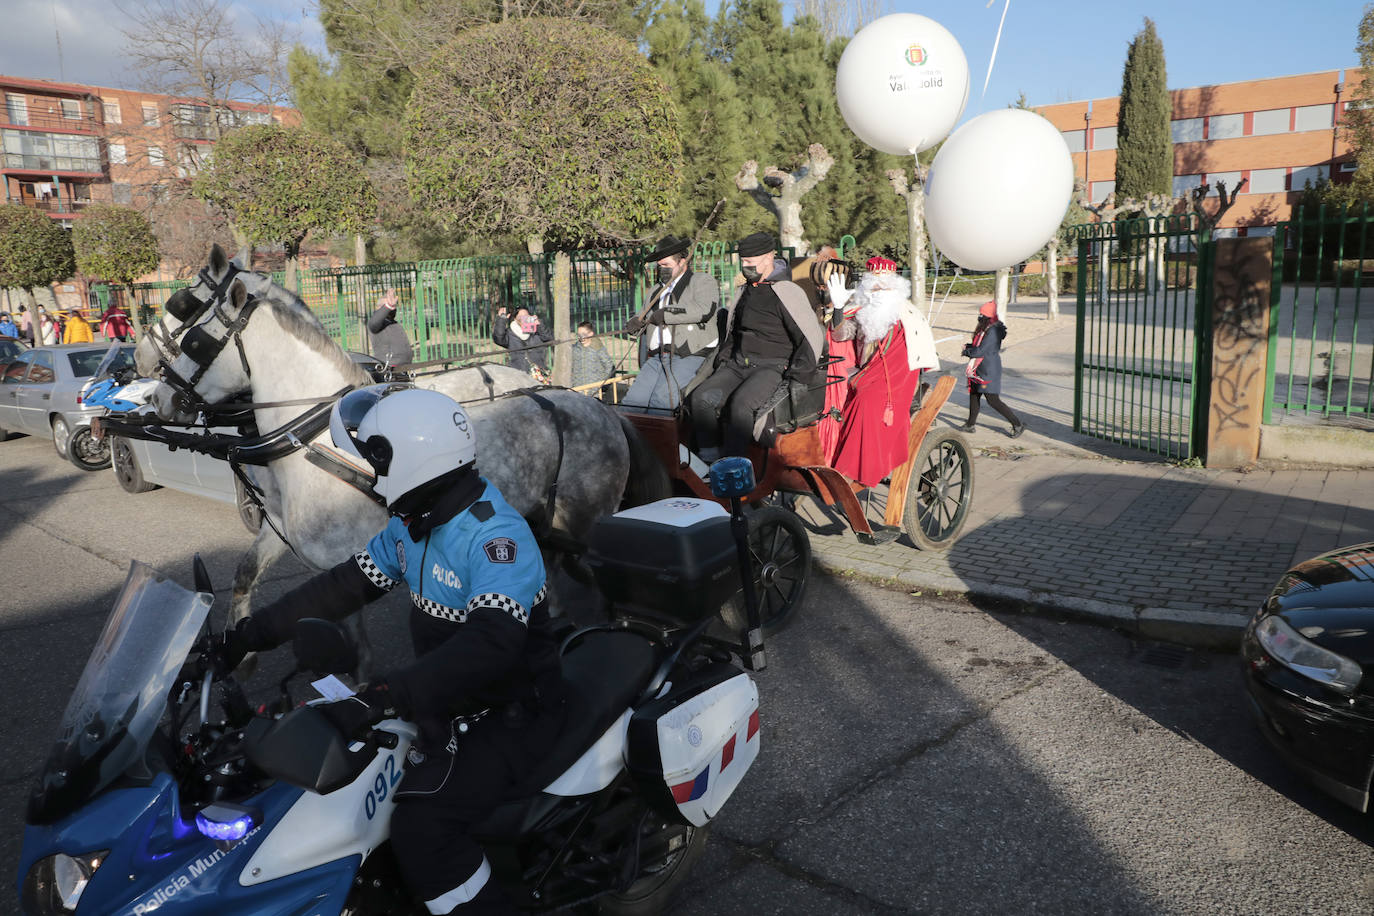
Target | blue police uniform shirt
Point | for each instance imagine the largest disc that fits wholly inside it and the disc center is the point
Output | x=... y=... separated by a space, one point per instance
x=464 y=564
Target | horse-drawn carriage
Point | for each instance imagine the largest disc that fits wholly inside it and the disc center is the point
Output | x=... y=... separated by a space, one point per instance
x=927 y=497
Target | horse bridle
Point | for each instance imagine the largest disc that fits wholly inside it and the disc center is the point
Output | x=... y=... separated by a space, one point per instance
x=198 y=344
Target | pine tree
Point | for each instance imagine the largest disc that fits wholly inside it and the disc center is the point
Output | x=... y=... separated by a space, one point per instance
x=1359 y=117
x=1144 y=142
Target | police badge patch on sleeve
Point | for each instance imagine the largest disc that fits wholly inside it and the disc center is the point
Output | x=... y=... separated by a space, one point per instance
x=500 y=550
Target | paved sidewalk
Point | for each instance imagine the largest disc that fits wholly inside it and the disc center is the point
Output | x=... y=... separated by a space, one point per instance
x=1068 y=523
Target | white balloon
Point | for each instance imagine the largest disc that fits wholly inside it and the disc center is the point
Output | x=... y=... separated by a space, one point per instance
x=998 y=189
x=902 y=83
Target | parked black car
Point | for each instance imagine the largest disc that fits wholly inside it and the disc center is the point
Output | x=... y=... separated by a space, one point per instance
x=1309 y=670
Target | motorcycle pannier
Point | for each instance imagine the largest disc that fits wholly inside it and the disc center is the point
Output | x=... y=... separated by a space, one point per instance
x=689 y=748
x=674 y=558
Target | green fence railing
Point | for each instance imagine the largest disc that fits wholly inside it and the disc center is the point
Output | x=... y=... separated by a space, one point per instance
x=1321 y=319
x=449 y=307
x=1142 y=368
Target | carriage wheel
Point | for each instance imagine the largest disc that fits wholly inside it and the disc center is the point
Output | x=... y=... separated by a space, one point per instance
x=940 y=492
x=780 y=552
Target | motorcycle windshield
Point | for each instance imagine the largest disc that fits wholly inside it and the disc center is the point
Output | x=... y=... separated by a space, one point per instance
x=107 y=363
x=122 y=692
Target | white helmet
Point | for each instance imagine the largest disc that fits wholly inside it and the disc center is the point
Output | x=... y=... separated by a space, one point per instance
x=410 y=436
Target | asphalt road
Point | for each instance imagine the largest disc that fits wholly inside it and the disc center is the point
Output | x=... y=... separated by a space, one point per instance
x=920 y=755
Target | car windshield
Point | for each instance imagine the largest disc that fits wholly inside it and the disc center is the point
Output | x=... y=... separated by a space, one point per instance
x=122 y=693
x=85 y=362
x=9 y=349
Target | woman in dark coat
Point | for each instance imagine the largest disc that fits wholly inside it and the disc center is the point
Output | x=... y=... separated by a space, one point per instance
x=984 y=369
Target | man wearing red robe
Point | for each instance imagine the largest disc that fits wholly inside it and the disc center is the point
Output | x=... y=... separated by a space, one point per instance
x=894 y=343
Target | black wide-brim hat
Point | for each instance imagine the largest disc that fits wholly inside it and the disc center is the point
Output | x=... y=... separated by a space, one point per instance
x=669 y=246
x=751 y=246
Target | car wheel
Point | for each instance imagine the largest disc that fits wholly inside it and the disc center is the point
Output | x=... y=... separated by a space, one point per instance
x=250 y=513
x=61 y=435
x=86 y=451
x=126 y=469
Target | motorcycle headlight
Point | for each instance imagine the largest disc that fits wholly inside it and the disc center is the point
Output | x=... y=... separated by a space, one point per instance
x=54 y=885
x=1297 y=652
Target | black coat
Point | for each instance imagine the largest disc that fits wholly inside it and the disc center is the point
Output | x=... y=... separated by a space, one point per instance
x=388 y=339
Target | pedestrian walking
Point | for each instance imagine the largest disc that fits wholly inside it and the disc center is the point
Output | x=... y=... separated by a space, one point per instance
x=984 y=370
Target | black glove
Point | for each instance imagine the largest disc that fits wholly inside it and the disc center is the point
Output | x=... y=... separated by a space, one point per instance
x=633 y=326
x=658 y=317
x=355 y=716
x=967 y=351
x=230 y=647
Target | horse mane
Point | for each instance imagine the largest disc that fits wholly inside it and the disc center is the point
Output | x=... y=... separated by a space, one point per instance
x=296 y=319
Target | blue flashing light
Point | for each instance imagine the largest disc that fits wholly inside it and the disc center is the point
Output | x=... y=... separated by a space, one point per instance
x=733 y=476
x=225 y=824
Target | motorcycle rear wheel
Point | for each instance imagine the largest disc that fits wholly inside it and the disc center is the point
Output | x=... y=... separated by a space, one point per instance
x=653 y=891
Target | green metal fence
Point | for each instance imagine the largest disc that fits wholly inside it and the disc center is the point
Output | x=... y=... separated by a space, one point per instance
x=1142 y=372
x=1321 y=321
x=448 y=307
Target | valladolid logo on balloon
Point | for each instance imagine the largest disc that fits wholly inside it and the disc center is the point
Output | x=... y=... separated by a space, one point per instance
x=902 y=83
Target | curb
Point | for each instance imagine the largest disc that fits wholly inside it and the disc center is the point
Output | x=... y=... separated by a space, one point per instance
x=1197 y=629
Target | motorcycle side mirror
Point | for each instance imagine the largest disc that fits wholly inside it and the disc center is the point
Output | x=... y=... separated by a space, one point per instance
x=323 y=646
x=201 y=576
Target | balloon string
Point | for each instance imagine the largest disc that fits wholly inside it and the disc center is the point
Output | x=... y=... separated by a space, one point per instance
x=997 y=41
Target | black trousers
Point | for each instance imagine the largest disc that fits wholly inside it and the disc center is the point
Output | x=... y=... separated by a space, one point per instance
x=445 y=795
x=730 y=398
x=995 y=402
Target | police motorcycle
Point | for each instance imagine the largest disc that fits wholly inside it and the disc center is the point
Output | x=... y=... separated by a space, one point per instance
x=149 y=802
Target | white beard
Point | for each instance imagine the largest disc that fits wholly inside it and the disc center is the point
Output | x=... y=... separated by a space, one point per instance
x=880 y=298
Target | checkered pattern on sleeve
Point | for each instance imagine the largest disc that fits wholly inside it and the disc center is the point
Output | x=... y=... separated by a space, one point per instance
x=375 y=575
x=504 y=603
x=442 y=611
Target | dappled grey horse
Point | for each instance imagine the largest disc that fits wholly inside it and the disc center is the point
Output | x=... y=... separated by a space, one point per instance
x=271 y=346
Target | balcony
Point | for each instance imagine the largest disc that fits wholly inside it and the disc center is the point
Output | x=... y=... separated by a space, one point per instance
x=47 y=165
x=43 y=120
x=51 y=205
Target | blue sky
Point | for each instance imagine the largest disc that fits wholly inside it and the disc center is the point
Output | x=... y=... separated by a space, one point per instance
x=1053 y=50
x=1056 y=50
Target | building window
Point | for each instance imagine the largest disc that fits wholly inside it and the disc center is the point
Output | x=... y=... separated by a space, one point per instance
x=155 y=157
x=71 y=109
x=123 y=192
x=1255 y=231
x=1104 y=137
x=1185 y=183
x=1345 y=168
x=1307 y=175
x=1267 y=181
x=1273 y=121
x=1224 y=127
x=17 y=109
x=1186 y=130
x=1231 y=178
x=1074 y=140
x=150 y=114
x=119 y=155
x=111 y=107
x=1101 y=189
x=1314 y=117
x=28 y=149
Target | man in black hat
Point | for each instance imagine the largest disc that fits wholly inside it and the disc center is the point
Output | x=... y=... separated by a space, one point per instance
x=681 y=307
x=769 y=333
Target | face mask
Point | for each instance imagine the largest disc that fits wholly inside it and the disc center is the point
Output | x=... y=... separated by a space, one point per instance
x=664 y=274
x=751 y=273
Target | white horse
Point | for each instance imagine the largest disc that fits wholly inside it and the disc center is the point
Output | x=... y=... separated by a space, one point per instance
x=278 y=351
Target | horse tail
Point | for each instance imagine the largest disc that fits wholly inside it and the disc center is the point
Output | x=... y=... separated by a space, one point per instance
x=648 y=481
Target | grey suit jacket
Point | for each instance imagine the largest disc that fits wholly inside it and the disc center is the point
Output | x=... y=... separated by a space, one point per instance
x=690 y=313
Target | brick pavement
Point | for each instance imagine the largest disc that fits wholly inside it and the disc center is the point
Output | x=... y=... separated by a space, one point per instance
x=1064 y=522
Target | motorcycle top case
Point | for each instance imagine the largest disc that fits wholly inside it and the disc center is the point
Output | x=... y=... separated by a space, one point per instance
x=688 y=749
x=673 y=558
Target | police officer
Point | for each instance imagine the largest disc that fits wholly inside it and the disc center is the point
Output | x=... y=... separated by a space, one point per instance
x=485 y=688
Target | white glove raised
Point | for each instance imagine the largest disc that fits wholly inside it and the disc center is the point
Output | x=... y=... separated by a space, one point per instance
x=838 y=294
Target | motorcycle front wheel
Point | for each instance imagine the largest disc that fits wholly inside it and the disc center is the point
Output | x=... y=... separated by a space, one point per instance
x=670 y=851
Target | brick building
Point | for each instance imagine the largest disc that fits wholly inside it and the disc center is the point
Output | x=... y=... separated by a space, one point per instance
x=1277 y=133
x=65 y=146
